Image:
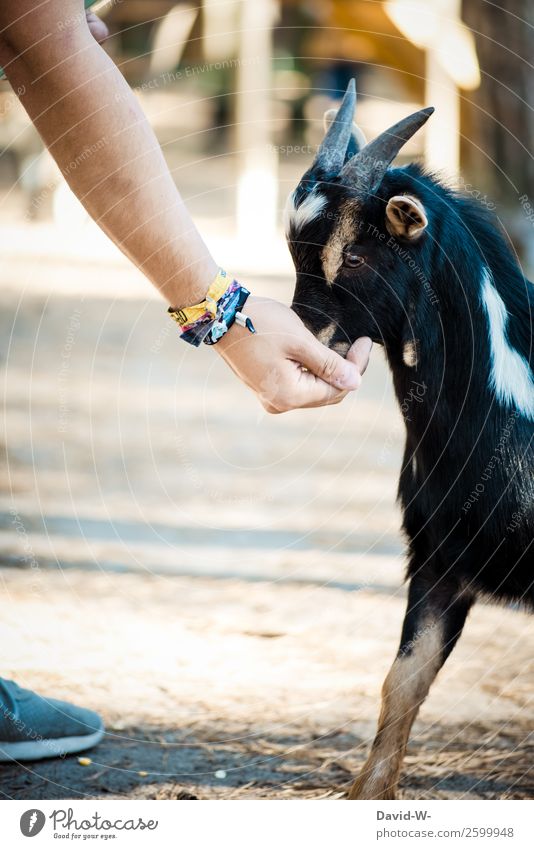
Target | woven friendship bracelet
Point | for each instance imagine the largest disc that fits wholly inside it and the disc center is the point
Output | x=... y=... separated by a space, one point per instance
x=212 y=318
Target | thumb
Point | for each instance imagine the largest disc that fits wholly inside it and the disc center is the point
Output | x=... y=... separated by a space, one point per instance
x=329 y=366
x=360 y=352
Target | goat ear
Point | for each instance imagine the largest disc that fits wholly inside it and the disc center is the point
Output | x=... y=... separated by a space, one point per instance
x=406 y=216
x=357 y=138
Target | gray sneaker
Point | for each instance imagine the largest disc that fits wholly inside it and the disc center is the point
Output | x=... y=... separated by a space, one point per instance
x=33 y=727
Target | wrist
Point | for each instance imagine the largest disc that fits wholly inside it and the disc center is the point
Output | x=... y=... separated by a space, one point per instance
x=182 y=293
x=237 y=331
x=210 y=319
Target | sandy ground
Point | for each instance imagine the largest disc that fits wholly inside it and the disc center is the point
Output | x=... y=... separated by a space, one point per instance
x=223 y=586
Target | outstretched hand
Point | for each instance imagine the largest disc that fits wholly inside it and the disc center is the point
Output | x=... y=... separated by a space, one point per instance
x=285 y=365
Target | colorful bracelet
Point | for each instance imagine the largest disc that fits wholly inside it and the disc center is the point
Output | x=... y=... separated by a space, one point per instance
x=212 y=318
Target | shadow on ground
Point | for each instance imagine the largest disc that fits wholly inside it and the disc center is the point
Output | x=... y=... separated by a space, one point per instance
x=153 y=763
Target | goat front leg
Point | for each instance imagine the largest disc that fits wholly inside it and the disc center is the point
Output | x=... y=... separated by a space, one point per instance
x=433 y=622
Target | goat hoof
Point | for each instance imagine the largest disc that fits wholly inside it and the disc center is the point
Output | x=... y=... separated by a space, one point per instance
x=364 y=788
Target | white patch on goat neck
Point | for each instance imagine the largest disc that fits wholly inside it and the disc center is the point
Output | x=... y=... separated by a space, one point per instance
x=409 y=353
x=511 y=376
x=297 y=217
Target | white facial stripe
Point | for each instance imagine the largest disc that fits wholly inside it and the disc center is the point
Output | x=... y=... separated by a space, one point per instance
x=511 y=376
x=309 y=209
x=343 y=233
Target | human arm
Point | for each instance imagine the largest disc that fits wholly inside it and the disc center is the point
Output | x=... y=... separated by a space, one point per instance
x=86 y=113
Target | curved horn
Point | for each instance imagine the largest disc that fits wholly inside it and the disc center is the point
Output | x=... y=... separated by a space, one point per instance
x=357 y=139
x=331 y=154
x=366 y=169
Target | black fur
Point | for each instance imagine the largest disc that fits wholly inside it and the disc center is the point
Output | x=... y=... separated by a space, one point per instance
x=467 y=480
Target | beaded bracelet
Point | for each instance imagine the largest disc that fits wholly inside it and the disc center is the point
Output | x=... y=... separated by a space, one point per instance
x=208 y=321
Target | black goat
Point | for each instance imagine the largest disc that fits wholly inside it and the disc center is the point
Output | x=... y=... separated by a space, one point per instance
x=393 y=254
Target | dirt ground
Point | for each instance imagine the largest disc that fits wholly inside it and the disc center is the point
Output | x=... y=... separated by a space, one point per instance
x=223 y=586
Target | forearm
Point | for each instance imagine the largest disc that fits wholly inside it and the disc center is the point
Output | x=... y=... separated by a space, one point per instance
x=94 y=128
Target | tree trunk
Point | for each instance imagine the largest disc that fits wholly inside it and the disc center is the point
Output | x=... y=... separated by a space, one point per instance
x=498 y=118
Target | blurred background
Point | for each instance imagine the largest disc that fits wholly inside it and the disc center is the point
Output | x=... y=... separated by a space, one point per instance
x=225 y=586
x=236 y=90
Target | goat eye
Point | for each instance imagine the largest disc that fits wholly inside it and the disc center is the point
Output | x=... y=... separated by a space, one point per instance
x=352 y=259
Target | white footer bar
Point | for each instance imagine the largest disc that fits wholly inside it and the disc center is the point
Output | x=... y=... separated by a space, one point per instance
x=255 y=824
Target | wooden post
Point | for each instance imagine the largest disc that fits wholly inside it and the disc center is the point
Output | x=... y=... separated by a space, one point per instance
x=451 y=64
x=442 y=132
x=257 y=158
